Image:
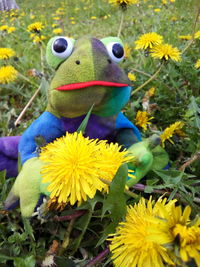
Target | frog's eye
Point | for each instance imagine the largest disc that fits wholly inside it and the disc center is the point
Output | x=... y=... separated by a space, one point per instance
x=115 y=51
x=62 y=47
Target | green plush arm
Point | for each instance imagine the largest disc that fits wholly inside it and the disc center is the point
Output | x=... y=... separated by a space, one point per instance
x=27 y=187
x=145 y=158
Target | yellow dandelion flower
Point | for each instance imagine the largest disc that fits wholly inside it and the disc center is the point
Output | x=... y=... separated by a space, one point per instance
x=93 y=17
x=6 y=53
x=189 y=241
x=197 y=35
x=54 y=25
x=56 y=18
x=197 y=65
x=73 y=22
x=151 y=92
x=58 y=31
x=165 y=51
x=39 y=39
x=132 y=243
x=131 y=77
x=4 y=28
x=164 y=2
x=11 y=29
x=127 y=51
x=157 y=10
x=142 y=119
x=123 y=3
x=184 y=234
x=185 y=37
x=80 y=163
x=148 y=40
x=7 y=74
x=170 y=131
x=173 y=19
x=35 y=27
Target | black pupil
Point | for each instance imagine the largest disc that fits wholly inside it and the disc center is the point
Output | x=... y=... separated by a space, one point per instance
x=118 y=50
x=60 y=45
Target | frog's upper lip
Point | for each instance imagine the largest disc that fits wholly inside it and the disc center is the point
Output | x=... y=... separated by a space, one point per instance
x=74 y=86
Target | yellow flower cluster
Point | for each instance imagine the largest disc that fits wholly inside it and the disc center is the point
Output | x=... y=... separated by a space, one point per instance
x=7 y=74
x=7 y=29
x=175 y=128
x=80 y=163
x=6 y=53
x=153 y=42
x=156 y=234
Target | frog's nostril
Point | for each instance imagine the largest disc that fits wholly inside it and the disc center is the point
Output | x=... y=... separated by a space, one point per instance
x=78 y=62
x=109 y=60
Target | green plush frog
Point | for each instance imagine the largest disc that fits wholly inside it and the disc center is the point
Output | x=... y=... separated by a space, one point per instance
x=86 y=74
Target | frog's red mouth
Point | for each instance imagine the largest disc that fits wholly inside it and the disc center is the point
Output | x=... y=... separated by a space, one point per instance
x=74 y=86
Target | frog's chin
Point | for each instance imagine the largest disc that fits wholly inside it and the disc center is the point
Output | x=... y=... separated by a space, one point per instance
x=81 y=85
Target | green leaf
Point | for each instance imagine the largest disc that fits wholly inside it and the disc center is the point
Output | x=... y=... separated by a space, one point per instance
x=28 y=228
x=25 y=262
x=64 y=262
x=84 y=123
x=115 y=202
x=109 y=229
x=170 y=176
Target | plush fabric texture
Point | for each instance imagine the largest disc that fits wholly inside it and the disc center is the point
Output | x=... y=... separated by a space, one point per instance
x=94 y=65
x=50 y=127
x=9 y=155
x=53 y=60
x=89 y=62
x=27 y=188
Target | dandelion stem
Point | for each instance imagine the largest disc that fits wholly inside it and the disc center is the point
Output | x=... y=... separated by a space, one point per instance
x=26 y=79
x=42 y=58
x=141 y=72
x=149 y=80
x=190 y=161
x=27 y=106
x=76 y=214
x=65 y=242
x=193 y=32
x=121 y=24
x=98 y=258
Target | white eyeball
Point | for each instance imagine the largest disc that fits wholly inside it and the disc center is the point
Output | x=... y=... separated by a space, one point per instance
x=62 y=47
x=115 y=51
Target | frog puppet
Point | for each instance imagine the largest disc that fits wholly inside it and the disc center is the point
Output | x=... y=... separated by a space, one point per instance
x=86 y=74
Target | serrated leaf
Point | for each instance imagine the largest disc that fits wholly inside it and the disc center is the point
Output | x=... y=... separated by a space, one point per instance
x=170 y=176
x=115 y=202
x=25 y=262
x=109 y=229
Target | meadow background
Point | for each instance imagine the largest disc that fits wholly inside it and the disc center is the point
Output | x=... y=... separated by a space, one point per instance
x=176 y=98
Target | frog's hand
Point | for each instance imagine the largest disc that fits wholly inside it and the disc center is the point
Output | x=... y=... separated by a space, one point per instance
x=143 y=158
x=9 y=155
x=144 y=165
x=26 y=187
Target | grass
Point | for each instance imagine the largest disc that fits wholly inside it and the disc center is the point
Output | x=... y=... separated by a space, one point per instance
x=176 y=98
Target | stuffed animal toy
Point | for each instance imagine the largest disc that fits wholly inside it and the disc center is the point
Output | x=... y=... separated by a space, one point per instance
x=86 y=74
